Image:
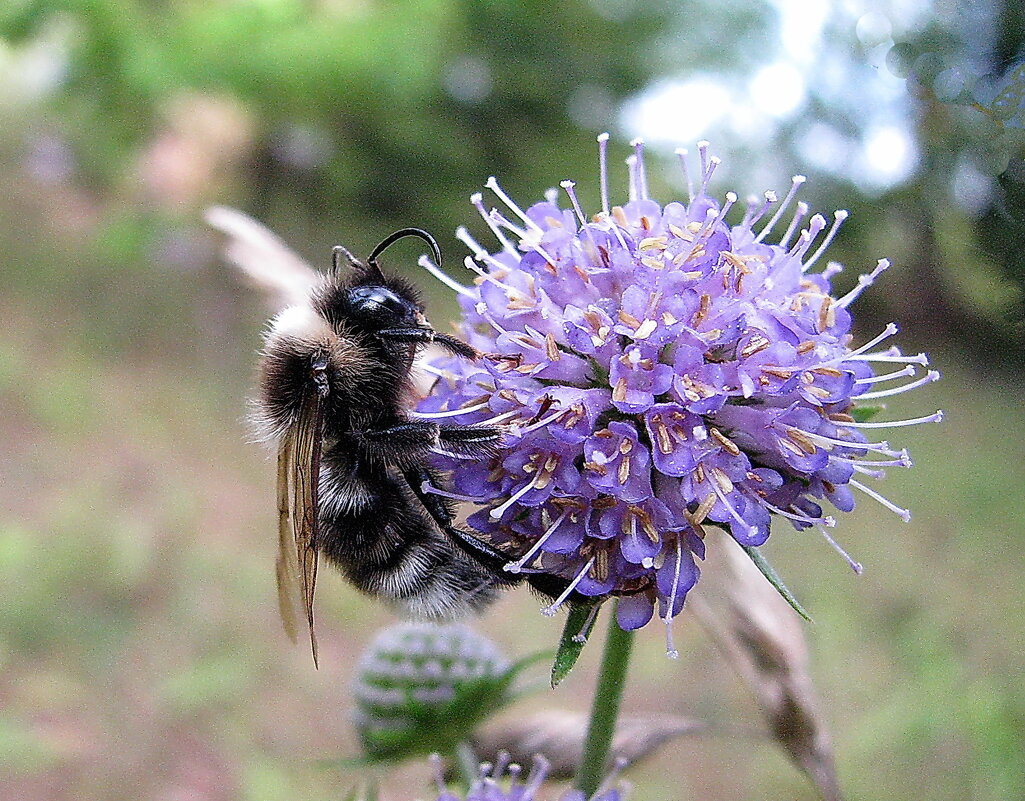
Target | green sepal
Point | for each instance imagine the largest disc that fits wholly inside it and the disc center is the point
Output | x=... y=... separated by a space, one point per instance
x=862 y=414
x=578 y=628
x=773 y=578
x=428 y=728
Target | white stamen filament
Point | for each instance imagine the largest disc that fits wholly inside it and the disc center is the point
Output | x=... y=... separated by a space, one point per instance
x=855 y=566
x=935 y=417
x=905 y=371
x=603 y=171
x=795 y=184
x=893 y=355
x=549 y=611
x=450 y=413
x=508 y=224
x=671 y=651
x=903 y=514
x=928 y=378
x=832 y=268
x=888 y=331
x=867 y=472
x=430 y=489
x=464 y=236
x=585 y=630
x=751 y=530
x=864 y=281
x=731 y=198
x=498 y=511
x=477 y=199
x=799 y=517
x=903 y=460
x=518 y=565
x=681 y=154
x=642 y=178
x=808 y=235
x=799 y=214
x=569 y=187
x=631 y=165
x=434 y=270
x=468 y=263
x=492 y=184
x=838 y=217
x=877 y=447
x=544 y=421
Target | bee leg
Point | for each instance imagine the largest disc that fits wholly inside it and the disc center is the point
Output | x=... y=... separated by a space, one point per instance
x=427 y=336
x=413 y=438
x=487 y=555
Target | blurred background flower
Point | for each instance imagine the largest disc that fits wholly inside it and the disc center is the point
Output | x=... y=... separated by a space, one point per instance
x=141 y=652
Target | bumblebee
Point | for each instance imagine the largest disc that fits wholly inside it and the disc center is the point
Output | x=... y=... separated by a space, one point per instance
x=335 y=387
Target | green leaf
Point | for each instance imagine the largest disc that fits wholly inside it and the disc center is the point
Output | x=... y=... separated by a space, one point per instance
x=767 y=570
x=862 y=414
x=579 y=625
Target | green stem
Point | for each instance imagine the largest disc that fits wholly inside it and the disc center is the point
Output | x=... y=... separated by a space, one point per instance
x=605 y=708
x=467 y=764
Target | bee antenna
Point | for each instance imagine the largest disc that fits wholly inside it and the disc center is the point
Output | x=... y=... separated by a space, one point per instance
x=336 y=259
x=400 y=234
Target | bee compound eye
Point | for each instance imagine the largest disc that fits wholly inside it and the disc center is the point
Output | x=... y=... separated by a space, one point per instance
x=379 y=301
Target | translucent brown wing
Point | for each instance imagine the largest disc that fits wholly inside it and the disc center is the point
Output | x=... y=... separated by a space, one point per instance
x=298 y=479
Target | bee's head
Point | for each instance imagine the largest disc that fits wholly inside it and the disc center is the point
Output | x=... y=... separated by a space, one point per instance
x=366 y=299
x=375 y=307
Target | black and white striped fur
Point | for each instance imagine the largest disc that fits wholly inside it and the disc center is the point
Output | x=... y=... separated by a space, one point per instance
x=375 y=524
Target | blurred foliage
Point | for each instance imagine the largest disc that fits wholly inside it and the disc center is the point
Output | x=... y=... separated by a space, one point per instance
x=140 y=649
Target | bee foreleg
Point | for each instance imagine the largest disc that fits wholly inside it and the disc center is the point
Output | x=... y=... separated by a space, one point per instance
x=484 y=553
x=413 y=439
x=429 y=335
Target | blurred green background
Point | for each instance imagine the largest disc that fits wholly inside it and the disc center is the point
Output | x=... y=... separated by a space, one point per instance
x=140 y=652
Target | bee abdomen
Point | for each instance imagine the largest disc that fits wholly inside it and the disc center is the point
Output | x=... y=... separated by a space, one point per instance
x=387 y=548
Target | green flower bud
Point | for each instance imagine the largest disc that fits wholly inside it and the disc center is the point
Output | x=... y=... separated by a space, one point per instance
x=422 y=688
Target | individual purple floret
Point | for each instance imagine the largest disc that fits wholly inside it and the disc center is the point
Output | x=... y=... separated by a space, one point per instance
x=659 y=370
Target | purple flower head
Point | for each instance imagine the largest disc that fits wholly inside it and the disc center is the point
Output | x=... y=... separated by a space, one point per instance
x=661 y=370
x=504 y=781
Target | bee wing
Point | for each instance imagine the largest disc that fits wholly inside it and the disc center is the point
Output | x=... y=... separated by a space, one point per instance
x=268 y=261
x=298 y=480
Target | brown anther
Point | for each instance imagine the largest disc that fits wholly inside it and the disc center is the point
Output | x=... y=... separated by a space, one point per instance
x=593 y=319
x=552 y=348
x=582 y=273
x=604 y=434
x=619 y=392
x=802 y=439
x=653 y=243
x=704 y=304
x=600 y=568
x=779 y=372
x=807 y=345
x=756 y=345
x=699 y=472
x=665 y=444
x=840 y=417
x=703 y=509
x=728 y=444
x=645 y=223
x=603 y=502
x=827 y=315
x=722 y=480
x=624 y=470
x=628 y=319
x=830 y=371
x=626 y=446
x=594 y=467
x=620 y=216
